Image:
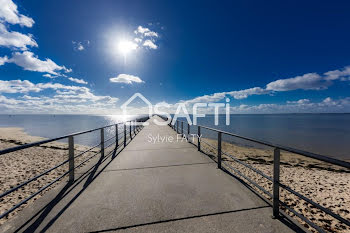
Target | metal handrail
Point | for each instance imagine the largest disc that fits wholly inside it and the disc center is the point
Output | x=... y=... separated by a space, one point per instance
x=78 y=155
x=276 y=172
x=254 y=183
x=250 y=167
x=71 y=158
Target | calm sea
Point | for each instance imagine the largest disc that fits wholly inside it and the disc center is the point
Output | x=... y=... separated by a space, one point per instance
x=327 y=134
x=51 y=126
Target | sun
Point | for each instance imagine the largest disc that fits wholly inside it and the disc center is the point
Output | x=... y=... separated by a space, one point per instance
x=125 y=47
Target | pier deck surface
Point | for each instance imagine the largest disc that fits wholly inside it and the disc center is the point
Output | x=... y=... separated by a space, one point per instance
x=152 y=187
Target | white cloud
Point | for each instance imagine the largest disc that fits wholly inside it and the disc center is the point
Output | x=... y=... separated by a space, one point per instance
x=3 y=60
x=126 y=78
x=64 y=101
x=299 y=106
x=84 y=95
x=18 y=86
x=57 y=86
x=76 y=100
x=28 y=61
x=25 y=86
x=338 y=74
x=50 y=76
x=310 y=81
x=243 y=94
x=150 y=44
x=78 y=45
x=145 y=32
x=141 y=30
x=328 y=100
x=15 y=39
x=151 y=34
x=9 y=14
x=301 y=101
x=138 y=40
x=327 y=105
x=147 y=35
x=81 y=81
x=206 y=98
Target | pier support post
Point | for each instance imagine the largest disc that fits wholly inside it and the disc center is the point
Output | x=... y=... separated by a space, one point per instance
x=188 y=132
x=134 y=127
x=177 y=126
x=276 y=179
x=102 y=143
x=219 y=150
x=124 y=134
x=199 y=138
x=71 y=158
x=130 y=129
x=116 y=136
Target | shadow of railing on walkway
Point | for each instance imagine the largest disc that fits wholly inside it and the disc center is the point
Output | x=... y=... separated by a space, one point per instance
x=88 y=176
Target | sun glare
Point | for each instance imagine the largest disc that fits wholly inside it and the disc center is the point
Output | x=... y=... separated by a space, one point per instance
x=125 y=47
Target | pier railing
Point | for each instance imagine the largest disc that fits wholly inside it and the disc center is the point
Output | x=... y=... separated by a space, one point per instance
x=183 y=128
x=120 y=140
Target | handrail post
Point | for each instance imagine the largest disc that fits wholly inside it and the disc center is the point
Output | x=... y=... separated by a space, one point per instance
x=219 y=150
x=188 y=132
x=116 y=136
x=276 y=179
x=102 y=142
x=199 y=138
x=130 y=130
x=71 y=158
x=124 y=134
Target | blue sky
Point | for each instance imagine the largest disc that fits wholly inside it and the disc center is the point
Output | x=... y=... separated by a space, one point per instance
x=91 y=56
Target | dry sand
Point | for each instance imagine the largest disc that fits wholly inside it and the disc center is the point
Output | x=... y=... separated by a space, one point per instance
x=17 y=167
x=326 y=184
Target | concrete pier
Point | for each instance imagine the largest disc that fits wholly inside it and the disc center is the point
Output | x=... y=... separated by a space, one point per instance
x=151 y=187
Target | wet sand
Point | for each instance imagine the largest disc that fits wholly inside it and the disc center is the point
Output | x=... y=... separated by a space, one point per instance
x=326 y=184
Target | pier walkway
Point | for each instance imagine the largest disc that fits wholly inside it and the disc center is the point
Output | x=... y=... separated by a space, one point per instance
x=151 y=187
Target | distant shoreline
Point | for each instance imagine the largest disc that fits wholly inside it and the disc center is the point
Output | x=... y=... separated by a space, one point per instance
x=325 y=134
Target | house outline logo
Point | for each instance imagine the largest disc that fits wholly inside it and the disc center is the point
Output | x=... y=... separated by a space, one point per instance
x=144 y=99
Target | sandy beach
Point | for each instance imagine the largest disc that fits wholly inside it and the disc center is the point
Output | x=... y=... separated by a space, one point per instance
x=17 y=167
x=326 y=184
